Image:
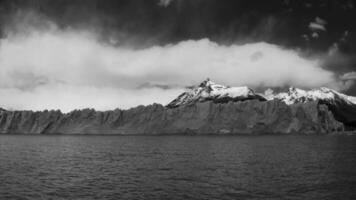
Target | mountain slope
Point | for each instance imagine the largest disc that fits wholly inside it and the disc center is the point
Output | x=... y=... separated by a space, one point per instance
x=209 y=108
x=342 y=106
x=246 y=117
x=210 y=91
x=296 y=95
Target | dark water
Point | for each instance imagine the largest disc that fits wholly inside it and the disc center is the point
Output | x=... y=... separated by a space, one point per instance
x=177 y=167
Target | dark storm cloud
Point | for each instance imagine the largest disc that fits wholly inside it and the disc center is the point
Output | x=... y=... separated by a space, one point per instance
x=148 y=22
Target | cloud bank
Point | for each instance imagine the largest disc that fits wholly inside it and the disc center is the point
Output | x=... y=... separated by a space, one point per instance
x=68 y=69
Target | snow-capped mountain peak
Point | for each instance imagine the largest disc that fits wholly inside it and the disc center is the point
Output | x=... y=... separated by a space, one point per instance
x=296 y=95
x=210 y=91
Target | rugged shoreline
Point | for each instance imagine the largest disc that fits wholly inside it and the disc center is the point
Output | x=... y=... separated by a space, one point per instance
x=205 y=118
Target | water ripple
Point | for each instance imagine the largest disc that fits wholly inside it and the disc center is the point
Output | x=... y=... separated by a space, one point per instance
x=177 y=167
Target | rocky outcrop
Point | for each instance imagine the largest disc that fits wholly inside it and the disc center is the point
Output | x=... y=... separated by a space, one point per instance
x=243 y=117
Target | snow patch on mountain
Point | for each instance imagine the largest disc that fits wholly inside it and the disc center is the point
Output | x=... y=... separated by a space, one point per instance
x=208 y=90
x=296 y=95
x=352 y=99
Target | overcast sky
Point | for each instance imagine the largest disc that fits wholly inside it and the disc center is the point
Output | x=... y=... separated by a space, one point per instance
x=72 y=54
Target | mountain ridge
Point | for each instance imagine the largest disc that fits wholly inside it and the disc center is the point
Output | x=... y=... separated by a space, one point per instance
x=208 y=108
x=246 y=117
x=342 y=106
x=211 y=91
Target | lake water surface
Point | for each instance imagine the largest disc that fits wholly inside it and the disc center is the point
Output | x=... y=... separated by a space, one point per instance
x=177 y=167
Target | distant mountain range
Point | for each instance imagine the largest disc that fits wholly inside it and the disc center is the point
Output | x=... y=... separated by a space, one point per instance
x=210 y=91
x=208 y=108
x=342 y=106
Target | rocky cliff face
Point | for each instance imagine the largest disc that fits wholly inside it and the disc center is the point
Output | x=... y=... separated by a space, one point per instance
x=244 y=117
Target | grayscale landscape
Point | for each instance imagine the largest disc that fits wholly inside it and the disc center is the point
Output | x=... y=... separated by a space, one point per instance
x=177 y=99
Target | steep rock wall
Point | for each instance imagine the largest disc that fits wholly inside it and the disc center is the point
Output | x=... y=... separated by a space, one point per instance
x=247 y=117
